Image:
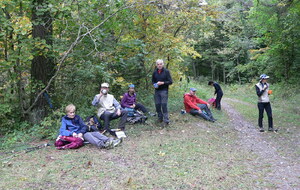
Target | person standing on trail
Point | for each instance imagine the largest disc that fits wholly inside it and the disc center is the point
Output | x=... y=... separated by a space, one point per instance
x=161 y=79
x=218 y=92
x=197 y=107
x=262 y=91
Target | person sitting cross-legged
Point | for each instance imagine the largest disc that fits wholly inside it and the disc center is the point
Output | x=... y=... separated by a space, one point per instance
x=109 y=109
x=197 y=107
x=71 y=130
x=129 y=102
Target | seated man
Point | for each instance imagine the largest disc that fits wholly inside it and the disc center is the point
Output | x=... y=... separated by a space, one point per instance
x=196 y=106
x=129 y=101
x=109 y=108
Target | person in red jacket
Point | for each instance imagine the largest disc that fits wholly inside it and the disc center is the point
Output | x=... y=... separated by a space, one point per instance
x=197 y=107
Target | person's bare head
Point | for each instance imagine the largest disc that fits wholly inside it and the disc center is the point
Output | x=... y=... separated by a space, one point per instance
x=70 y=110
x=159 y=64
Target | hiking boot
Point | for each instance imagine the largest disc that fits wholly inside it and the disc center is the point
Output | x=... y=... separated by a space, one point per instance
x=261 y=130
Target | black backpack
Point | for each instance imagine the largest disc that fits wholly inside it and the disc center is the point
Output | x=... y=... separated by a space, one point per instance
x=137 y=117
x=93 y=124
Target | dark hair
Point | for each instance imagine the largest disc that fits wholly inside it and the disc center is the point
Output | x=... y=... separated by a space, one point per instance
x=210 y=82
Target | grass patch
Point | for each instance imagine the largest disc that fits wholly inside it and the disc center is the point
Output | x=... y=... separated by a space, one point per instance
x=189 y=154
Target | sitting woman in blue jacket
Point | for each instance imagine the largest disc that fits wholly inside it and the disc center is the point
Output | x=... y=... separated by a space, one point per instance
x=71 y=130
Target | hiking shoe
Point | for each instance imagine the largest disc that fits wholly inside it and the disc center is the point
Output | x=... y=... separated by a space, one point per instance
x=261 y=130
x=116 y=142
x=272 y=130
x=165 y=124
x=152 y=114
x=214 y=119
x=109 y=143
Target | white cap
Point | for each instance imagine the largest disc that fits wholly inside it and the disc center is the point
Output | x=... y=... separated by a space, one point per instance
x=105 y=85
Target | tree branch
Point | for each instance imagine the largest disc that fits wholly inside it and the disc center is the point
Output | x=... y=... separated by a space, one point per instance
x=63 y=58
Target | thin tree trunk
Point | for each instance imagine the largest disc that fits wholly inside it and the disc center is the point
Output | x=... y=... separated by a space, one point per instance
x=224 y=73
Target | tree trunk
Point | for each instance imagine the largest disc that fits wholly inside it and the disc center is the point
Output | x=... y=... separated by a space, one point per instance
x=194 y=69
x=212 y=71
x=224 y=73
x=42 y=66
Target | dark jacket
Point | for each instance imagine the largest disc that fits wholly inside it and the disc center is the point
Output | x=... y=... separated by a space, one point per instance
x=218 y=89
x=164 y=76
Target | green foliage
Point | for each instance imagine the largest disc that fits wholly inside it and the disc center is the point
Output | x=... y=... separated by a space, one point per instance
x=230 y=41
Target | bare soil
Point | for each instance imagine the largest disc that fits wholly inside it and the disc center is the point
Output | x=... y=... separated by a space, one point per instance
x=283 y=170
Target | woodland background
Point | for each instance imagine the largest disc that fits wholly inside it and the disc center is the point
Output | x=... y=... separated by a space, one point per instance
x=63 y=50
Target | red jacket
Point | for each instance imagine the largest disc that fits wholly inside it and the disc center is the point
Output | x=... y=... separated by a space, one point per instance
x=191 y=101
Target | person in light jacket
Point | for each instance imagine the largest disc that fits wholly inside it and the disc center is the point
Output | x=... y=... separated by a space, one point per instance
x=262 y=91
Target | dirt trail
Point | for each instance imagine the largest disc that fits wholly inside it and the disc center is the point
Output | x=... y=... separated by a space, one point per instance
x=284 y=173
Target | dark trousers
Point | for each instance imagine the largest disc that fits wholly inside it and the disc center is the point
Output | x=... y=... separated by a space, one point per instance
x=207 y=115
x=161 y=105
x=261 y=108
x=141 y=108
x=218 y=100
x=107 y=117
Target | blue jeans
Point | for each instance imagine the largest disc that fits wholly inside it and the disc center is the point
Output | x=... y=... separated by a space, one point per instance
x=161 y=105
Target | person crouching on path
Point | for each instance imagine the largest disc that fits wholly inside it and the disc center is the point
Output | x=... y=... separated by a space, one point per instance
x=197 y=107
x=109 y=109
x=262 y=91
x=71 y=130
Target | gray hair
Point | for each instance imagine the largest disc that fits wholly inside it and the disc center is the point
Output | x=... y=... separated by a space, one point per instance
x=160 y=61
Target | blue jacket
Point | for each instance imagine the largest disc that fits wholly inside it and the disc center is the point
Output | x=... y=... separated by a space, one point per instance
x=70 y=126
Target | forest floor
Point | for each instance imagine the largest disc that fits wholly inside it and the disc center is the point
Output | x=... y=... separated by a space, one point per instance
x=189 y=154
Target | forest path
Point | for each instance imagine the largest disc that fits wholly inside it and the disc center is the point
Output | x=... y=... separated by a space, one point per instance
x=283 y=173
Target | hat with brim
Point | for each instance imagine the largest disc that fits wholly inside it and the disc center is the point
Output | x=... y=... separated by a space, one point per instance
x=105 y=85
x=264 y=76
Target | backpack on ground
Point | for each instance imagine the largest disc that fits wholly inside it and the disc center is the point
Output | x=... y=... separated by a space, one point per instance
x=212 y=102
x=136 y=117
x=93 y=124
